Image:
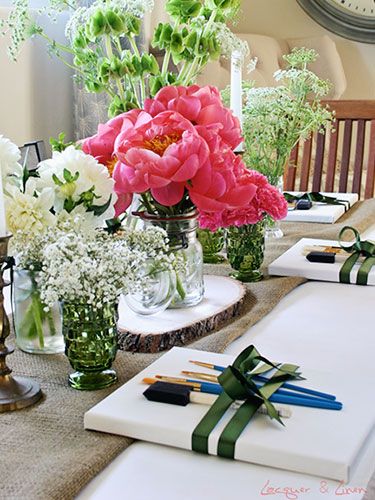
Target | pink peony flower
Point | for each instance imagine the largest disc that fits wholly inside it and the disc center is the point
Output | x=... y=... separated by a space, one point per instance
x=160 y=154
x=222 y=183
x=101 y=145
x=200 y=105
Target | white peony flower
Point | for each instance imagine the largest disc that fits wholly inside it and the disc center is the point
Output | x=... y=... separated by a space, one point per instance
x=29 y=213
x=11 y=170
x=86 y=176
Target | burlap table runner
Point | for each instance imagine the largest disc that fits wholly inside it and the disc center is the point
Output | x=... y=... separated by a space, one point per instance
x=45 y=452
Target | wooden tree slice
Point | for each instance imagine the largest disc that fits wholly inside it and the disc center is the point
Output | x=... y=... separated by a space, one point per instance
x=177 y=327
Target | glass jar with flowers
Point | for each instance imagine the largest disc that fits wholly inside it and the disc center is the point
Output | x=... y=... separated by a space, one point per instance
x=246 y=227
x=276 y=118
x=71 y=190
x=177 y=155
x=86 y=273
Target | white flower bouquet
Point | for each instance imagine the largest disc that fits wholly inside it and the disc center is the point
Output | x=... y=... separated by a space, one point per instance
x=276 y=118
x=95 y=268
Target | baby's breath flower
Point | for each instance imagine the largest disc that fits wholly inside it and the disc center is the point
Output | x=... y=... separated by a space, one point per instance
x=96 y=268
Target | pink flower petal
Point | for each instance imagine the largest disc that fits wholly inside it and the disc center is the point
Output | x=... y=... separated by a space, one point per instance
x=169 y=195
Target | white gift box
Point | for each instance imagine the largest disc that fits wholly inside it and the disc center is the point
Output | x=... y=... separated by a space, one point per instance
x=320 y=212
x=294 y=263
x=325 y=443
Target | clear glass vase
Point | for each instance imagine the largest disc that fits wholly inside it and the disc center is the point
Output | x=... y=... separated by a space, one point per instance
x=183 y=242
x=212 y=244
x=245 y=251
x=273 y=228
x=90 y=344
x=37 y=331
x=156 y=294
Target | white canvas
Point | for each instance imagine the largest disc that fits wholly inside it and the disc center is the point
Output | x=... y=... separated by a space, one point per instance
x=318 y=442
x=319 y=212
x=294 y=263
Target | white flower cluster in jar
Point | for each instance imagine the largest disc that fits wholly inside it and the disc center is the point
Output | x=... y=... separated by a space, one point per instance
x=71 y=187
x=76 y=178
x=276 y=118
x=96 y=268
x=29 y=245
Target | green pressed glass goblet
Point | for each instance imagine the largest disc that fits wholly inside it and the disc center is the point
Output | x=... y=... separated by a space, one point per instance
x=245 y=251
x=90 y=336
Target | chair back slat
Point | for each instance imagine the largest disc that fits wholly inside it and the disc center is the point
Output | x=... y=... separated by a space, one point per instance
x=358 y=161
x=305 y=169
x=370 y=181
x=290 y=174
x=345 y=160
x=332 y=157
x=318 y=163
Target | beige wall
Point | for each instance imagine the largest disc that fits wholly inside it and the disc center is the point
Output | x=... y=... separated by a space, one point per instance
x=36 y=93
x=286 y=19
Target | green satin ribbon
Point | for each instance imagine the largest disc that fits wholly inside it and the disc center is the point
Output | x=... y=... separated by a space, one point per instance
x=317 y=197
x=237 y=384
x=357 y=249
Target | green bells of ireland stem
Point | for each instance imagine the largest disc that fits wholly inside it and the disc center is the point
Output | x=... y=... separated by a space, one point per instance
x=183 y=8
x=98 y=33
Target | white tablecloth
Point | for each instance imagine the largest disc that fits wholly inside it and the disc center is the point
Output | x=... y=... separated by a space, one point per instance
x=329 y=326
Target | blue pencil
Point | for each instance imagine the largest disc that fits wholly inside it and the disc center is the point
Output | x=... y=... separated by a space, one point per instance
x=286 y=385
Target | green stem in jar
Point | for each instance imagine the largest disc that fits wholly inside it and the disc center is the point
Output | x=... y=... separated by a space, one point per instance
x=37 y=315
x=51 y=323
x=179 y=287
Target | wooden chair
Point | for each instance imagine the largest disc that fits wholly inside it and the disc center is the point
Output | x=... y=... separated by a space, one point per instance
x=339 y=161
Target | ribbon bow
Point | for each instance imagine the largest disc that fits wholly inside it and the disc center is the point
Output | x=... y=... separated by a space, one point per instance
x=357 y=249
x=236 y=381
x=317 y=197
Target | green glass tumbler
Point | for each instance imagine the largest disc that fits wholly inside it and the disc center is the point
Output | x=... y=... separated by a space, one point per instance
x=212 y=244
x=90 y=336
x=245 y=251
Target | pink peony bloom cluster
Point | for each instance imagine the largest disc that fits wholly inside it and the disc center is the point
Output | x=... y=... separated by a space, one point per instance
x=267 y=200
x=181 y=147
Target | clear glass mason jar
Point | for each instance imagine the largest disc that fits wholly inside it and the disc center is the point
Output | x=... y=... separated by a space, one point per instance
x=183 y=242
x=273 y=228
x=37 y=331
x=90 y=344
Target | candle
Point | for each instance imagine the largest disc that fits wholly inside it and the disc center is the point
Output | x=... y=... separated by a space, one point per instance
x=236 y=89
x=3 y=229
